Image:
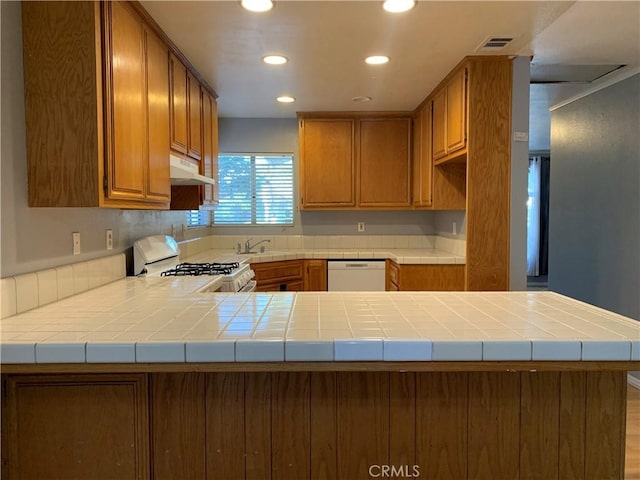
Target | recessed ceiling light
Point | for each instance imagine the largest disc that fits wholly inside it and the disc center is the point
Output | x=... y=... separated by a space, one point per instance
x=275 y=59
x=397 y=6
x=286 y=99
x=376 y=60
x=361 y=99
x=257 y=5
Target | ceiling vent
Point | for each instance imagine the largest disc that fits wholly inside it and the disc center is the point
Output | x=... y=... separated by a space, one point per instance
x=491 y=44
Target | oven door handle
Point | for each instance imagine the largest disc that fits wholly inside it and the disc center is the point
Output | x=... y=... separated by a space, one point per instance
x=249 y=287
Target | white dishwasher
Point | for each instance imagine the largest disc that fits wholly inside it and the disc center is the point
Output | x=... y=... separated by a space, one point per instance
x=355 y=276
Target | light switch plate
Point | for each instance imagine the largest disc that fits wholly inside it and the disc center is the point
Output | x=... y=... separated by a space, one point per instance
x=76 y=243
x=360 y=226
x=109 y=239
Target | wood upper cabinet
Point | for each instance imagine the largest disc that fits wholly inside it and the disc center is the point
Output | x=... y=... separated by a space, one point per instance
x=450 y=118
x=186 y=111
x=439 y=144
x=194 y=147
x=179 y=109
x=384 y=162
x=422 y=159
x=93 y=77
x=327 y=163
x=158 y=182
x=126 y=115
x=353 y=163
x=457 y=112
x=195 y=197
x=211 y=195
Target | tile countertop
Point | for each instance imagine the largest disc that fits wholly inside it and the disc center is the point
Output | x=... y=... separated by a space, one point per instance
x=166 y=320
x=398 y=255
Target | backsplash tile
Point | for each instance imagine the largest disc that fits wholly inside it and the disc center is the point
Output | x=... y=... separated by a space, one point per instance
x=47 y=286
x=330 y=242
x=65 y=281
x=8 y=299
x=32 y=290
x=26 y=292
x=80 y=277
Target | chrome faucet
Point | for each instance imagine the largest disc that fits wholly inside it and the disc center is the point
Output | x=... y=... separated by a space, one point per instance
x=248 y=246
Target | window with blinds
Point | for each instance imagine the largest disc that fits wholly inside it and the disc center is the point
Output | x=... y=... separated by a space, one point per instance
x=255 y=190
x=198 y=218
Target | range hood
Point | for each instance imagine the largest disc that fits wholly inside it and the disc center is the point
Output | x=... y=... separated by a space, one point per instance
x=184 y=172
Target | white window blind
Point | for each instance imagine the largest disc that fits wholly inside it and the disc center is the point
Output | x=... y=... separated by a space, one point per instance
x=255 y=190
x=198 y=218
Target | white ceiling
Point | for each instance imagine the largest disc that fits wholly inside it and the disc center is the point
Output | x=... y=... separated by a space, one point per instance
x=326 y=42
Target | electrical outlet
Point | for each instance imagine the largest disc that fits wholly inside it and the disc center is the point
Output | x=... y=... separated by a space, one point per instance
x=76 y=243
x=455 y=229
x=109 y=239
x=361 y=226
x=173 y=230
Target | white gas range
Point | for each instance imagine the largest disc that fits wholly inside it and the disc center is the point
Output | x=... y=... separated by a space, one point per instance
x=158 y=256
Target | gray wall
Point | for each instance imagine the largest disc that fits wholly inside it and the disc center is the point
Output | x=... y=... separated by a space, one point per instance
x=38 y=238
x=275 y=135
x=594 y=232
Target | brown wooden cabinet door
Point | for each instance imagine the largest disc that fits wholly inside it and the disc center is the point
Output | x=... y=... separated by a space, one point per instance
x=178 y=105
x=422 y=162
x=210 y=149
x=327 y=163
x=456 y=112
x=126 y=124
x=157 y=65
x=384 y=162
x=439 y=141
x=76 y=426
x=194 y=93
x=315 y=276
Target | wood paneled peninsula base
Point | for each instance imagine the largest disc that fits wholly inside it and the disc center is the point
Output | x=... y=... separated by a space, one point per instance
x=315 y=420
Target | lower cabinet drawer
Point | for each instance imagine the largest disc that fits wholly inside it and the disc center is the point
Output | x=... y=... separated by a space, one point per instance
x=277 y=272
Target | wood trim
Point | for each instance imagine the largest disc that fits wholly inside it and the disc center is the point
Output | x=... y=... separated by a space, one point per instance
x=433 y=366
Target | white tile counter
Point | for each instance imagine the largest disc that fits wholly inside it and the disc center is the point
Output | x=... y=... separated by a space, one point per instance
x=165 y=320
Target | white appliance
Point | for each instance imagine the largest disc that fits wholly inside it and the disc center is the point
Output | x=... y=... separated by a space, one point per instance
x=184 y=172
x=159 y=256
x=356 y=275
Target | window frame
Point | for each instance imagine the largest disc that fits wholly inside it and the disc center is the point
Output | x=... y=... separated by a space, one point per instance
x=253 y=155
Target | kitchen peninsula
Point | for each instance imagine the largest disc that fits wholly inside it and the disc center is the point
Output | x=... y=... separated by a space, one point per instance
x=181 y=384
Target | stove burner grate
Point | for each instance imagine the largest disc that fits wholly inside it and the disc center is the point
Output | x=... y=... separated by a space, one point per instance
x=194 y=269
